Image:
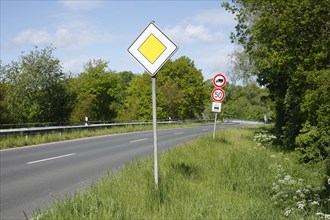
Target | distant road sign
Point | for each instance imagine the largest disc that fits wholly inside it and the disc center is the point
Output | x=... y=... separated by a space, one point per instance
x=218 y=94
x=216 y=106
x=219 y=80
x=152 y=49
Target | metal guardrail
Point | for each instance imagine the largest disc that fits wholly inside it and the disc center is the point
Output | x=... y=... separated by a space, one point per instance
x=39 y=130
x=50 y=129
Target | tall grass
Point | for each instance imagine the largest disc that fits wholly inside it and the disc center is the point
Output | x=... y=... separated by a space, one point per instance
x=226 y=178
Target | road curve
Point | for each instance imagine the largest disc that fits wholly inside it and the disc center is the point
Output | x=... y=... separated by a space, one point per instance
x=32 y=177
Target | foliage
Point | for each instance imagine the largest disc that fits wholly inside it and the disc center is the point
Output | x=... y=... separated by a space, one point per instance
x=285 y=40
x=138 y=102
x=314 y=138
x=242 y=68
x=290 y=191
x=96 y=90
x=249 y=102
x=34 y=88
x=180 y=93
x=184 y=80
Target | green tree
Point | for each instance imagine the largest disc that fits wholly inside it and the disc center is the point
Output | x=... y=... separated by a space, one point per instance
x=182 y=78
x=180 y=93
x=314 y=138
x=4 y=114
x=35 y=90
x=96 y=92
x=284 y=40
x=138 y=103
x=123 y=82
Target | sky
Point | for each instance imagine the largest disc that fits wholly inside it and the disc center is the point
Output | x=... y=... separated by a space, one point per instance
x=86 y=30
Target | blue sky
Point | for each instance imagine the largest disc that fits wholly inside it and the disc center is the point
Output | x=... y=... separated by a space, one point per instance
x=83 y=30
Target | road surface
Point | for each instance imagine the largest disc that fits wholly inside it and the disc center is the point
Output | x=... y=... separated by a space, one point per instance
x=32 y=177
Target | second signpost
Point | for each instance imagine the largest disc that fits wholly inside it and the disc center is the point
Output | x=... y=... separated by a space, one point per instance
x=218 y=94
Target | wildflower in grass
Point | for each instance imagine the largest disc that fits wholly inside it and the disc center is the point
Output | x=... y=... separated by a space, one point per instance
x=290 y=194
x=287 y=212
x=314 y=203
x=301 y=204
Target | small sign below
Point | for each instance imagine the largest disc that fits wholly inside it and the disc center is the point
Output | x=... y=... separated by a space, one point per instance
x=216 y=107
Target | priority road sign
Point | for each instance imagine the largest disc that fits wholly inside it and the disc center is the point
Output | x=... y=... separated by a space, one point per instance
x=152 y=48
x=218 y=94
x=219 y=80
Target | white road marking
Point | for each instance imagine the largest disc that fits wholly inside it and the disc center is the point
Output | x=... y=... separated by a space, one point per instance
x=143 y=139
x=51 y=158
x=205 y=129
x=177 y=133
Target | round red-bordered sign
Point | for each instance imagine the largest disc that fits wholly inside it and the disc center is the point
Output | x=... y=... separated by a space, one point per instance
x=218 y=94
x=219 y=80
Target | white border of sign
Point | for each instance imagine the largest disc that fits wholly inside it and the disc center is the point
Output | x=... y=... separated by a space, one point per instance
x=171 y=48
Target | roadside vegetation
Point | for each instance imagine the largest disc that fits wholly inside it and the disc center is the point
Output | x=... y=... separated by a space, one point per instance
x=239 y=175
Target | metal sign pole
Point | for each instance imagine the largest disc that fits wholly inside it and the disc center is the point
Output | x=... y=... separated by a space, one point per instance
x=215 y=125
x=154 y=124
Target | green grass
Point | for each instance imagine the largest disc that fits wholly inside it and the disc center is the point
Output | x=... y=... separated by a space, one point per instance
x=226 y=178
x=21 y=140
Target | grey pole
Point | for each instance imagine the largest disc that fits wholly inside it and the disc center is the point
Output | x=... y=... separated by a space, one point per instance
x=215 y=125
x=154 y=124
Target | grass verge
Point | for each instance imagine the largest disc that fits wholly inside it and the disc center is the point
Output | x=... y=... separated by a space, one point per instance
x=230 y=177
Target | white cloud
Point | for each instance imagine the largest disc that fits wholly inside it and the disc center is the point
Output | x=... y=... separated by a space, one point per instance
x=35 y=37
x=193 y=33
x=204 y=37
x=215 y=60
x=62 y=37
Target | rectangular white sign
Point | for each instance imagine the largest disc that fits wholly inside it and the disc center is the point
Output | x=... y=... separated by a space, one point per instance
x=216 y=106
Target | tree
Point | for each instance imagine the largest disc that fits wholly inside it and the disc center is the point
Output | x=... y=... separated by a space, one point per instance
x=138 y=103
x=284 y=40
x=180 y=93
x=124 y=81
x=314 y=138
x=242 y=68
x=96 y=91
x=35 y=90
x=183 y=79
x=4 y=114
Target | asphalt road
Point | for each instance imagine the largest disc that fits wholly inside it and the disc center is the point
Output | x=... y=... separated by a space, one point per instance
x=32 y=177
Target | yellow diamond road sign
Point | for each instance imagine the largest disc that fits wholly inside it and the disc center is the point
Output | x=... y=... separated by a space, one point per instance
x=152 y=49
